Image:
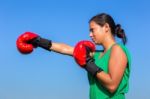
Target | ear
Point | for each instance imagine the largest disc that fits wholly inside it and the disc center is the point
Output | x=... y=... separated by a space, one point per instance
x=106 y=27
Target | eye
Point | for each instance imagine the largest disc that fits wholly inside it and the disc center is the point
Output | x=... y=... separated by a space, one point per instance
x=91 y=30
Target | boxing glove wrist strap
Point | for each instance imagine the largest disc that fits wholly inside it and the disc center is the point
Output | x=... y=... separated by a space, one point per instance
x=41 y=42
x=92 y=68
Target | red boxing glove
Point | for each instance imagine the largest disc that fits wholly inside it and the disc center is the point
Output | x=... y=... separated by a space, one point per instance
x=23 y=44
x=79 y=53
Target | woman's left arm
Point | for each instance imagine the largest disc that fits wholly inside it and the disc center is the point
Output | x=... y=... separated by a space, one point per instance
x=117 y=66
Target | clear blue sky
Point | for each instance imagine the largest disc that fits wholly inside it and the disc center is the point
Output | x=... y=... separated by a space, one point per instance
x=48 y=75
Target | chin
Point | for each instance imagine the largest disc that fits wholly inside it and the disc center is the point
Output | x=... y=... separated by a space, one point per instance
x=97 y=43
x=94 y=41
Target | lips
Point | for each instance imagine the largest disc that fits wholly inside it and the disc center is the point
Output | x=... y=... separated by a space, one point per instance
x=93 y=39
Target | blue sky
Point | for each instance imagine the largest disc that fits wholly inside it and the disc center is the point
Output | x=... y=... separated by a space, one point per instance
x=48 y=75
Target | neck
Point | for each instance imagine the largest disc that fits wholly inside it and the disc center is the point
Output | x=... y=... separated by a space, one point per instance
x=108 y=42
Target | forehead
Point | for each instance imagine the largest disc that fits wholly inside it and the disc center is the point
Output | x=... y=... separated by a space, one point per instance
x=94 y=24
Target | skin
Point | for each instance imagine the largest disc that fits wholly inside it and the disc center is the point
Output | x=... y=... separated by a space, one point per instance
x=101 y=35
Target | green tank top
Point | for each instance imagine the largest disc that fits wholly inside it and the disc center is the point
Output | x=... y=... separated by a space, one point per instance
x=97 y=91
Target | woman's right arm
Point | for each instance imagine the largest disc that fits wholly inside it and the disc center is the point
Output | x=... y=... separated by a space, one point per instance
x=62 y=48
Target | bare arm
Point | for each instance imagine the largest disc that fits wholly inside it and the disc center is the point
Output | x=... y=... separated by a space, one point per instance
x=117 y=65
x=62 y=48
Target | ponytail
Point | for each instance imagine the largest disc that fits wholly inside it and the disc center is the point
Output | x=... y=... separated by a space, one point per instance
x=119 y=32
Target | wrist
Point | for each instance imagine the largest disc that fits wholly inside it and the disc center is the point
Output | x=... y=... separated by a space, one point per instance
x=42 y=42
x=45 y=43
x=92 y=68
x=98 y=71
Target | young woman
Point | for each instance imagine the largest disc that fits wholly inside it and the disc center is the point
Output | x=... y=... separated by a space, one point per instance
x=113 y=62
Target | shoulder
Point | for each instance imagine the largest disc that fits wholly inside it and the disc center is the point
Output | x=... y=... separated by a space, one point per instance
x=116 y=47
x=118 y=58
x=121 y=51
x=118 y=51
x=120 y=48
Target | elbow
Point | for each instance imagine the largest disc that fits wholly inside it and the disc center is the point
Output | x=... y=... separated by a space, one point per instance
x=112 y=89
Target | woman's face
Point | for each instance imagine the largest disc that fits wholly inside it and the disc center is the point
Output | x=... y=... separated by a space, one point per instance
x=97 y=32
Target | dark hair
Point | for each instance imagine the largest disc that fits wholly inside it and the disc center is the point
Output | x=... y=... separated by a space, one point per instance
x=116 y=29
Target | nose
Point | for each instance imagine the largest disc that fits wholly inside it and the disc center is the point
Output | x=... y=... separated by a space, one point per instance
x=91 y=35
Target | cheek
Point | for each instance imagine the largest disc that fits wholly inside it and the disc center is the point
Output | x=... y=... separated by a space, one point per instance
x=100 y=36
